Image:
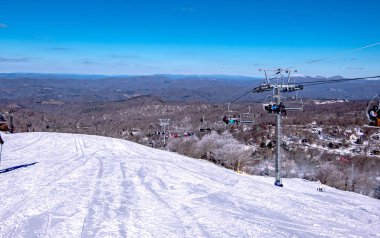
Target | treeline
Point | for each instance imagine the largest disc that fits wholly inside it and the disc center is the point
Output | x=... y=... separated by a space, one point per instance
x=249 y=149
x=358 y=173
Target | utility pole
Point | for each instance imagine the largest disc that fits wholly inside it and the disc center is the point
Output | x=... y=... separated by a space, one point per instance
x=278 y=84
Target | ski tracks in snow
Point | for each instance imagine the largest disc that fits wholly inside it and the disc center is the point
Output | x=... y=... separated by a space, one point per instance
x=89 y=186
x=50 y=187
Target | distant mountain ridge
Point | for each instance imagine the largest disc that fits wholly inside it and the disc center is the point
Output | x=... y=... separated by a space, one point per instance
x=104 y=76
x=178 y=88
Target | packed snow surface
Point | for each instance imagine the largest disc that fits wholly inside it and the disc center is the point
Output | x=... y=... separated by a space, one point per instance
x=65 y=185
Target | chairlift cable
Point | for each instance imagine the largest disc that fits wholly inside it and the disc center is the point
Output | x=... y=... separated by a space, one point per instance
x=339 y=54
x=309 y=83
x=233 y=101
x=320 y=82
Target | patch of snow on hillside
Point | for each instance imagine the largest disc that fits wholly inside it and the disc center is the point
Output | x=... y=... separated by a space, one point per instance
x=329 y=101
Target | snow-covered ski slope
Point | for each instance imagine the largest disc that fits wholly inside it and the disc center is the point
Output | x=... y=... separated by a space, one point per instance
x=65 y=185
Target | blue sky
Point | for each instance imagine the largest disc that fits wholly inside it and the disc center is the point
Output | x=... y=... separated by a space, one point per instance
x=188 y=37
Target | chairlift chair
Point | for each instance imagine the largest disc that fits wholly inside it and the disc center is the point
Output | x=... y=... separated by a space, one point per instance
x=268 y=100
x=293 y=104
x=205 y=126
x=247 y=117
x=375 y=102
x=268 y=104
x=232 y=116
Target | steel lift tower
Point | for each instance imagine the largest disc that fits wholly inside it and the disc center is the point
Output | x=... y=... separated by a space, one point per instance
x=278 y=84
x=164 y=123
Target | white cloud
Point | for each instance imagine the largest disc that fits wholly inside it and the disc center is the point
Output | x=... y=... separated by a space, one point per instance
x=355 y=68
x=16 y=60
x=60 y=49
x=187 y=9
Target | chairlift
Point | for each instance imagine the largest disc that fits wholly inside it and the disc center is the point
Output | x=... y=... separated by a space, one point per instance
x=247 y=117
x=293 y=104
x=288 y=104
x=231 y=117
x=205 y=126
x=268 y=106
x=273 y=108
x=373 y=113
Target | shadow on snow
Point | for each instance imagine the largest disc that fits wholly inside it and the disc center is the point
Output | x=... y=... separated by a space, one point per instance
x=16 y=167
